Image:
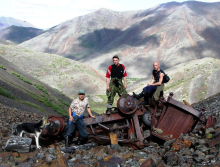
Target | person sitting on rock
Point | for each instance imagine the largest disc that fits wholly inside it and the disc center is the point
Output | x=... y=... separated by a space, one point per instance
x=75 y=119
x=155 y=86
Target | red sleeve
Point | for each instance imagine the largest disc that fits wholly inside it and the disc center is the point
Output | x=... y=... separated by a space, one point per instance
x=108 y=73
x=124 y=73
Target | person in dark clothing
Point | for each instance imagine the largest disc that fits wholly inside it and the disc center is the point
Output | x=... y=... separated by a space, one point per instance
x=155 y=83
x=117 y=72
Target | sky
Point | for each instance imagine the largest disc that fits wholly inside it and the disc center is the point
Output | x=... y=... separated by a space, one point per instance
x=48 y=13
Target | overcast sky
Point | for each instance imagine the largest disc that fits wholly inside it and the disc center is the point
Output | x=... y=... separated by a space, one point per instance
x=48 y=13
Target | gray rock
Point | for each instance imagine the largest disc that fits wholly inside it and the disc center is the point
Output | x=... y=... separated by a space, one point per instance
x=50 y=157
x=19 y=144
x=26 y=164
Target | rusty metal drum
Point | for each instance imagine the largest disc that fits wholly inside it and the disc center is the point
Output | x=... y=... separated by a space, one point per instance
x=55 y=126
x=127 y=104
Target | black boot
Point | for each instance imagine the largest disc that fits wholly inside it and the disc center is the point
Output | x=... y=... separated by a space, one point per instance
x=108 y=111
x=138 y=96
x=81 y=140
x=66 y=141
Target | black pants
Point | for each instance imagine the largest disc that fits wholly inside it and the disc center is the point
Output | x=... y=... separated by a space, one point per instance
x=81 y=127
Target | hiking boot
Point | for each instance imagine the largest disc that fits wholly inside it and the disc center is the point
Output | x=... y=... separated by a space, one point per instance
x=108 y=111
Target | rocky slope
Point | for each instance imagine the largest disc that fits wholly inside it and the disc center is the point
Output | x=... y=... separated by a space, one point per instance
x=18 y=35
x=19 y=89
x=61 y=73
x=188 y=150
x=9 y=21
x=171 y=33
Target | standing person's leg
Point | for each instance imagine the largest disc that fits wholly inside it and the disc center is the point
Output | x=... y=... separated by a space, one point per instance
x=82 y=131
x=110 y=95
x=70 y=130
x=121 y=89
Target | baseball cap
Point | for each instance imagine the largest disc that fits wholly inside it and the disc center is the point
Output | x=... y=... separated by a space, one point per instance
x=81 y=91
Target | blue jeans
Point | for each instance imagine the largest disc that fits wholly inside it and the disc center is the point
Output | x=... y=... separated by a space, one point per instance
x=150 y=89
x=81 y=127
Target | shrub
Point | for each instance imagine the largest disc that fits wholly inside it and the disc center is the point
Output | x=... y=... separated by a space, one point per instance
x=63 y=102
x=6 y=93
x=40 y=87
x=3 y=67
x=22 y=78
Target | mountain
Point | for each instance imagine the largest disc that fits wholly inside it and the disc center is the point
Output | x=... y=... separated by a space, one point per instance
x=9 y=21
x=61 y=73
x=19 y=89
x=18 y=35
x=171 y=33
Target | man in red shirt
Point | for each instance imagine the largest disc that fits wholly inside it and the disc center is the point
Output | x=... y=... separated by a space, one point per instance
x=116 y=72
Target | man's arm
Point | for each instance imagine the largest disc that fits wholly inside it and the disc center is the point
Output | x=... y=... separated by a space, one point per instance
x=90 y=113
x=160 y=80
x=107 y=82
x=70 y=114
x=125 y=84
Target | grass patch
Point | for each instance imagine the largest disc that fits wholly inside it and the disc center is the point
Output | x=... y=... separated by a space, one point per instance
x=132 y=80
x=3 y=67
x=6 y=93
x=63 y=102
x=40 y=87
x=22 y=78
x=100 y=107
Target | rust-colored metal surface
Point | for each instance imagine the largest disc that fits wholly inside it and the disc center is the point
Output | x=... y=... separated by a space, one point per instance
x=56 y=125
x=215 y=141
x=168 y=120
x=127 y=104
x=210 y=122
x=175 y=119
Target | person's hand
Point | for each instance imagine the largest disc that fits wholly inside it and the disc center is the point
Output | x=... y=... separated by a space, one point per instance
x=71 y=119
x=125 y=86
x=92 y=116
x=108 y=88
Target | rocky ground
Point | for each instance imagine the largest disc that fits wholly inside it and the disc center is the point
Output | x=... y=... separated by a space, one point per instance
x=192 y=149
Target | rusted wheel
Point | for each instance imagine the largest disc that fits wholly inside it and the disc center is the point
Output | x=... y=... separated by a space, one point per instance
x=127 y=104
x=147 y=118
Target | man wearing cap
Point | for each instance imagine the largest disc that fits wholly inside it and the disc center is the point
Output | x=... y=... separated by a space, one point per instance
x=76 y=110
x=116 y=72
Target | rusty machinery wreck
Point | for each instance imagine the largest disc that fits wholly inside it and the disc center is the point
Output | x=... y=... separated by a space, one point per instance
x=166 y=119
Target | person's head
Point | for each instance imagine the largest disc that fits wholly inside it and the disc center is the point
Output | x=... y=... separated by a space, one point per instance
x=156 y=65
x=115 y=59
x=81 y=94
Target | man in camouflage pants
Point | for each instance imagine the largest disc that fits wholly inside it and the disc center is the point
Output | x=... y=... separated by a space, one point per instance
x=116 y=71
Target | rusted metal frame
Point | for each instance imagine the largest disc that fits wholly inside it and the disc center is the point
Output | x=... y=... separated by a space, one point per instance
x=210 y=122
x=120 y=140
x=103 y=126
x=92 y=129
x=131 y=130
x=174 y=121
x=214 y=142
x=112 y=117
x=184 y=107
x=138 y=131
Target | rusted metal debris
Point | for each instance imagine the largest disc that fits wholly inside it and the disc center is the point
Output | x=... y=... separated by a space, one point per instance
x=215 y=141
x=167 y=119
